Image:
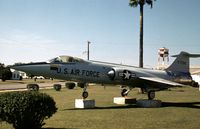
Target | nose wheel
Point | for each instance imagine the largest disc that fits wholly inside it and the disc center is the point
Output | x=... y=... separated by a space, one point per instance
x=85 y=94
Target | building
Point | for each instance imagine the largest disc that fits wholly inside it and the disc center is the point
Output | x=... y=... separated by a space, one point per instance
x=15 y=75
x=18 y=75
x=195 y=71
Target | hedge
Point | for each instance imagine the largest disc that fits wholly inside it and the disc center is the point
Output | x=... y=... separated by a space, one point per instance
x=27 y=109
x=34 y=87
x=57 y=87
x=70 y=85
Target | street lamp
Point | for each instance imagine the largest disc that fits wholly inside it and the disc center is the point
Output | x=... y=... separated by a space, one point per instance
x=88 y=50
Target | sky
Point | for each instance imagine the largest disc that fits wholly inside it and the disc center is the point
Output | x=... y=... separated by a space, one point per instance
x=38 y=30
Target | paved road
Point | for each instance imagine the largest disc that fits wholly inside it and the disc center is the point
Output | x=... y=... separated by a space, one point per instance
x=17 y=86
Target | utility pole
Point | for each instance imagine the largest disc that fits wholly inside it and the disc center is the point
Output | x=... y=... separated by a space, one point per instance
x=88 y=50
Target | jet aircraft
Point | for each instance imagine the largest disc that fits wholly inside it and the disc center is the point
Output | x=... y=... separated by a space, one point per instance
x=84 y=71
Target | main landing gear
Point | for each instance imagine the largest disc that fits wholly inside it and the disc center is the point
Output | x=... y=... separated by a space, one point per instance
x=151 y=93
x=125 y=91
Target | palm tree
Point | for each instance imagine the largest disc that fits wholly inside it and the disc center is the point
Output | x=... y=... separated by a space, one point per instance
x=141 y=3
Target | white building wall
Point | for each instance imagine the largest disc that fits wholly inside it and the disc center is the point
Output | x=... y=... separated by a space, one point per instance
x=15 y=75
x=196 y=78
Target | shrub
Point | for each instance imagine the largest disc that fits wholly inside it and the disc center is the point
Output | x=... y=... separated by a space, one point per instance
x=70 y=85
x=34 y=87
x=57 y=87
x=81 y=85
x=27 y=109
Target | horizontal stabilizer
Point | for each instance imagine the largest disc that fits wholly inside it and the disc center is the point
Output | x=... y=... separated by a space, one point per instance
x=188 y=55
x=162 y=81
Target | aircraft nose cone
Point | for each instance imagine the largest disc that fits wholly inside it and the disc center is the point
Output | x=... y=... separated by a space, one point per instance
x=111 y=74
x=30 y=67
x=19 y=67
x=16 y=67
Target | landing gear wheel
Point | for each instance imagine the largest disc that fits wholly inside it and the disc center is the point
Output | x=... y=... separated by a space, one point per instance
x=151 y=95
x=85 y=94
x=123 y=93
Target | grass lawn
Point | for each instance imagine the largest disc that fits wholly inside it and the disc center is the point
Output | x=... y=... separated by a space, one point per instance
x=180 y=110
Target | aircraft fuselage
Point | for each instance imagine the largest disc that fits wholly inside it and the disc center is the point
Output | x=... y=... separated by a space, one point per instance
x=92 y=72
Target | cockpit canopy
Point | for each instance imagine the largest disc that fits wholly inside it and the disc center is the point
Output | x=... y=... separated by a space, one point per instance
x=66 y=59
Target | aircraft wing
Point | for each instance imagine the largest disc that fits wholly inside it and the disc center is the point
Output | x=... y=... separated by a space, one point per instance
x=161 y=81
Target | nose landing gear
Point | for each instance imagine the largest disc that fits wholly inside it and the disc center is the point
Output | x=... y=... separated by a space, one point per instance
x=151 y=94
x=85 y=94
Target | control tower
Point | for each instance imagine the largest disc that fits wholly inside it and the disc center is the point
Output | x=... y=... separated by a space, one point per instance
x=163 y=58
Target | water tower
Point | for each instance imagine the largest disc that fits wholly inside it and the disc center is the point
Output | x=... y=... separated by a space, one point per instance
x=163 y=58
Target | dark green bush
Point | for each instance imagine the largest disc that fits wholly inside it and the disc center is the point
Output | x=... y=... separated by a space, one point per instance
x=81 y=85
x=57 y=87
x=27 y=109
x=70 y=85
x=34 y=87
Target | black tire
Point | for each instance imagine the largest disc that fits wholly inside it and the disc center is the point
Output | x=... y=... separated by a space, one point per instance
x=57 y=87
x=32 y=87
x=85 y=94
x=123 y=93
x=70 y=85
x=151 y=95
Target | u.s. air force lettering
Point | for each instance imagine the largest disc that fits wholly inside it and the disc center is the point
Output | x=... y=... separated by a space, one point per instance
x=76 y=72
x=79 y=72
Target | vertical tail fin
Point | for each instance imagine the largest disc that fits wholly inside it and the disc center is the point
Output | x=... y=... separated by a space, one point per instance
x=181 y=63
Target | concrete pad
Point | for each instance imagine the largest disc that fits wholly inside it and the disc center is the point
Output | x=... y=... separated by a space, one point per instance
x=124 y=100
x=145 y=103
x=84 y=103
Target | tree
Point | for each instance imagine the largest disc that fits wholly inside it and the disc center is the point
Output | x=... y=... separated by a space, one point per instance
x=141 y=3
x=2 y=65
x=5 y=73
